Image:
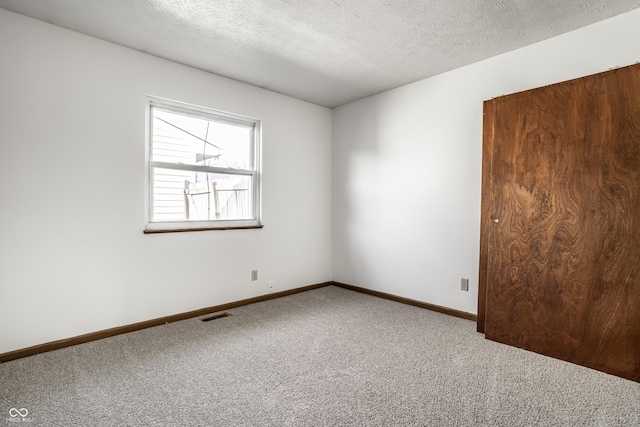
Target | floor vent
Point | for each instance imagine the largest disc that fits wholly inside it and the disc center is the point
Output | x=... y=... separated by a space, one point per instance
x=215 y=316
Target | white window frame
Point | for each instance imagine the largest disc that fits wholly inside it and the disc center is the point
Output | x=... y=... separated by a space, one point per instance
x=255 y=173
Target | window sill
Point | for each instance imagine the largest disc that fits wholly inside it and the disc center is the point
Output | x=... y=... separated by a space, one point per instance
x=181 y=230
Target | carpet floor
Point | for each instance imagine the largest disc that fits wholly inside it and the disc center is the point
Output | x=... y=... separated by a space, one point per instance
x=327 y=357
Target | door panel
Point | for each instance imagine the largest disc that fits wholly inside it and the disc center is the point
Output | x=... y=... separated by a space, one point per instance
x=560 y=258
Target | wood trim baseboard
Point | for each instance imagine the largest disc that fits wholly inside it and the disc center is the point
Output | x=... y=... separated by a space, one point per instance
x=106 y=333
x=408 y=301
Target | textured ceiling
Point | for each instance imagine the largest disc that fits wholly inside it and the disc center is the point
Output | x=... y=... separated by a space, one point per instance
x=328 y=52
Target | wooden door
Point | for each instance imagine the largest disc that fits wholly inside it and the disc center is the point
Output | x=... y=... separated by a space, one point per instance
x=560 y=248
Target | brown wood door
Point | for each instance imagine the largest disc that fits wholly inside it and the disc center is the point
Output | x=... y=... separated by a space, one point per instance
x=560 y=249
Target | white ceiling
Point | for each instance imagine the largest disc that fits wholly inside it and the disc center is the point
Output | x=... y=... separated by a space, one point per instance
x=328 y=52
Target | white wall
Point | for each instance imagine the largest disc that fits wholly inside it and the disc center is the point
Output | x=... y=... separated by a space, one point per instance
x=73 y=257
x=407 y=164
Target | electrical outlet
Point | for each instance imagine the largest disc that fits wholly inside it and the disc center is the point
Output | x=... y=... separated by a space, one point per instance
x=254 y=274
x=464 y=284
x=270 y=286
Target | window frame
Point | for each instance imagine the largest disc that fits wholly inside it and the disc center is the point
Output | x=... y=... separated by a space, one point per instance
x=255 y=173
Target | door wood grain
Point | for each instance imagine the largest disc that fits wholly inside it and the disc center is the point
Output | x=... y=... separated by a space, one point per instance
x=560 y=233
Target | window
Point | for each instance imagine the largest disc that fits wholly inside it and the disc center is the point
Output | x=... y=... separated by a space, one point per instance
x=203 y=169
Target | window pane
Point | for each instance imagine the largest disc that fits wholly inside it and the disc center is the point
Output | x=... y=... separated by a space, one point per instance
x=199 y=196
x=196 y=141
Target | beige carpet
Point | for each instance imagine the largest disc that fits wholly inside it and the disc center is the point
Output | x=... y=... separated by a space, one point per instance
x=327 y=357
